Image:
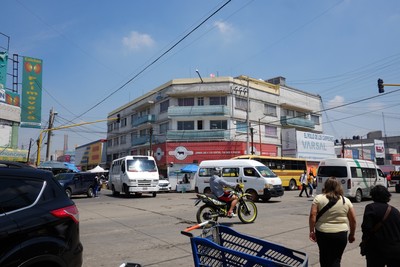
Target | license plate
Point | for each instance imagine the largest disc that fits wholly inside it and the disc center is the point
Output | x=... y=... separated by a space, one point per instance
x=144 y=188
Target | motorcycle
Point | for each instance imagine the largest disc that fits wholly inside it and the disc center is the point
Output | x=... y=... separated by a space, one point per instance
x=213 y=208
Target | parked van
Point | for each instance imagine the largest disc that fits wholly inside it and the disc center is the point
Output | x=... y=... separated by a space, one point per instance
x=134 y=174
x=258 y=179
x=77 y=183
x=357 y=177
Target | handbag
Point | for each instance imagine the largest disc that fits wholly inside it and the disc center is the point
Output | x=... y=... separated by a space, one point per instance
x=363 y=244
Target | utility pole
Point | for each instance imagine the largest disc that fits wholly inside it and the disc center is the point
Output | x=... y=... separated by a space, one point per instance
x=51 y=122
x=39 y=140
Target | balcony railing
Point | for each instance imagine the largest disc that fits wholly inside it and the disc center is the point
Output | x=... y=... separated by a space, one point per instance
x=140 y=140
x=144 y=119
x=212 y=110
x=197 y=134
x=299 y=122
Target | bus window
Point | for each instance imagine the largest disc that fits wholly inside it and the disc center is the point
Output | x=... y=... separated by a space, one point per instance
x=230 y=172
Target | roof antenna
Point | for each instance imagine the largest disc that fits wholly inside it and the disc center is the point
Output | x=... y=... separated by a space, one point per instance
x=198 y=73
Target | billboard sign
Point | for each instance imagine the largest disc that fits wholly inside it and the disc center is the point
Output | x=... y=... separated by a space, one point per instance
x=3 y=69
x=31 y=93
x=379 y=148
x=307 y=145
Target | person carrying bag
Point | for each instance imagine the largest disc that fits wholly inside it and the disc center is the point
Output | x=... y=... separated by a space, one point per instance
x=381 y=230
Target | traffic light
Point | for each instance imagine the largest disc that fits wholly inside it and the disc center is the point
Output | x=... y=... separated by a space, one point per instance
x=381 y=86
x=118 y=118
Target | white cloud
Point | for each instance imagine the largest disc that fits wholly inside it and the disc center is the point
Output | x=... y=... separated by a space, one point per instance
x=336 y=101
x=224 y=28
x=136 y=41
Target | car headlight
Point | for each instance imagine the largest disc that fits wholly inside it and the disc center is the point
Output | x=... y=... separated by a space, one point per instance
x=268 y=186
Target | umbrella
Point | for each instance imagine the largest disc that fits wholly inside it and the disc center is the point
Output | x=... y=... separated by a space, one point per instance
x=190 y=168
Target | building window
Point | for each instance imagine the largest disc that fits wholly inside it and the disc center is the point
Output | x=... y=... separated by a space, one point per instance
x=199 y=125
x=289 y=113
x=116 y=141
x=185 y=125
x=116 y=125
x=164 y=106
x=218 y=100
x=164 y=127
x=123 y=122
x=110 y=127
x=109 y=143
x=200 y=101
x=271 y=131
x=241 y=126
x=143 y=132
x=241 y=103
x=133 y=118
x=270 y=110
x=220 y=124
x=315 y=119
x=186 y=101
x=123 y=140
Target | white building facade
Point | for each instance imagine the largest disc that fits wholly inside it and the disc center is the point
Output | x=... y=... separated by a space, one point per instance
x=186 y=121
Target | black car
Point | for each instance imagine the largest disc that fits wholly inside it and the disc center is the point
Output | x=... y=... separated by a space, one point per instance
x=39 y=224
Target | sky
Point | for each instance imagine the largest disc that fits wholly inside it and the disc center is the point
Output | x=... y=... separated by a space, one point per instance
x=99 y=55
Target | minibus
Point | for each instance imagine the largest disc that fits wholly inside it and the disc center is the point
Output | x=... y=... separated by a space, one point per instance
x=356 y=176
x=134 y=174
x=258 y=179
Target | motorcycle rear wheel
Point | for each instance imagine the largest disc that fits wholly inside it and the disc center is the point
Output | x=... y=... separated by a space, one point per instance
x=206 y=213
x=247 y=211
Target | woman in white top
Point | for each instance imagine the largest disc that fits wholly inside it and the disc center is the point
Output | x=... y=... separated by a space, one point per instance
x=330 y=230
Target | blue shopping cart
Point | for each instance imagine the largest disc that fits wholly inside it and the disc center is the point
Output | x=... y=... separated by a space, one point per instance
x=221 y=246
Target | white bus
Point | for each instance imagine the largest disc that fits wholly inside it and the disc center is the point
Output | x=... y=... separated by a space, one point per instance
x=356 y=176
x=134 y=174
x=258 y=179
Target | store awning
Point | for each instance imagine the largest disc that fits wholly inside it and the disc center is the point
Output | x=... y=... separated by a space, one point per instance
x=190 y=168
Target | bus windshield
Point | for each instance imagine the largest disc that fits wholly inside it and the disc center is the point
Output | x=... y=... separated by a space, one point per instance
x=141 y=165
x=265 y=171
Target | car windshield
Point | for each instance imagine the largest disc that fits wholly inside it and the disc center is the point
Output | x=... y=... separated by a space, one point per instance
x=141 y=165
x=265 y=171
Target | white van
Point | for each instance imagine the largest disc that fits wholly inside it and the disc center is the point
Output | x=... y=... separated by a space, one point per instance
x=134 y=174
x=258 y=180
x=356 y=176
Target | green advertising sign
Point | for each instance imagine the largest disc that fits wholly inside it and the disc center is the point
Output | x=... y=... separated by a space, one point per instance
x=3 y=69
x=31 y=108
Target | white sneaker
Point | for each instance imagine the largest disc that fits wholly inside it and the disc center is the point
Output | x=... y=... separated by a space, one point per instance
x=231 y=215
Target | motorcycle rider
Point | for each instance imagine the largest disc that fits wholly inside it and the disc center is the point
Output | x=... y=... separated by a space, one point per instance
x=217 y=184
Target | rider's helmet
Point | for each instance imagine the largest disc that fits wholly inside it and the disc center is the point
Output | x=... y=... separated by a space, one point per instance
x=216 y=171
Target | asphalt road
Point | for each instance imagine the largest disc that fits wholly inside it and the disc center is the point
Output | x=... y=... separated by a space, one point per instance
x=146 y=230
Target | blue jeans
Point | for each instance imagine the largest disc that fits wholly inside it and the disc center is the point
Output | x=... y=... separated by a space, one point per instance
x=311 y=188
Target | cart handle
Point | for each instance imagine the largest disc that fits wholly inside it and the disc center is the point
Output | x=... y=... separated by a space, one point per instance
x=187 y=230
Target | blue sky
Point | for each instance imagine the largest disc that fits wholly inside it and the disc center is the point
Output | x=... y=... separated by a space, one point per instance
x=337 y=49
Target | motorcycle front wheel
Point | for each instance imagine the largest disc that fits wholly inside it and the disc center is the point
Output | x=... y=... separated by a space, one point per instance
x=206 y=213
x=247 y=211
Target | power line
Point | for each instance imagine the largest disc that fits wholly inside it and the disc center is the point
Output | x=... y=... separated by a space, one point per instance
x=154 y=61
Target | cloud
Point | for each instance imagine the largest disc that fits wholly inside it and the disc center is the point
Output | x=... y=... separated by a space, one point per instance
x=336 y=101
x=224 y=28
x=136 y=41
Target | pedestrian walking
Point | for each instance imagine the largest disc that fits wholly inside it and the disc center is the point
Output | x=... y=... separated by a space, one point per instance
x=310 y=182
x=381 y=230
x=96 y=185
x=331 y=218
x=303 y=181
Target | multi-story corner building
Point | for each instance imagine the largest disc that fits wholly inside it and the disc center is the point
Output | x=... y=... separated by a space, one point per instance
x=189 y=120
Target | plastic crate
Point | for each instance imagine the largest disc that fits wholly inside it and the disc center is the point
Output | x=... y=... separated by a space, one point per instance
x=223 y=247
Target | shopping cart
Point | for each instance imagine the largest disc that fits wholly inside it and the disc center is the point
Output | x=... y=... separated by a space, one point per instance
x=221 y=246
